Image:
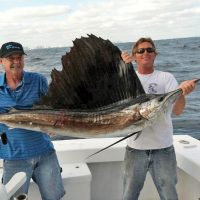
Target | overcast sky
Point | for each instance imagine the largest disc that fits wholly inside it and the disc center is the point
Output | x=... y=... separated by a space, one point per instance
x=55 y=23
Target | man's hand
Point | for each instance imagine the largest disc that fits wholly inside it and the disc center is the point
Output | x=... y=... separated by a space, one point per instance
x=188 y=86
x=127 y=58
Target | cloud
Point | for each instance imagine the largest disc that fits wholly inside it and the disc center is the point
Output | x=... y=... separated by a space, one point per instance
x=31 y=13
x=58 y=25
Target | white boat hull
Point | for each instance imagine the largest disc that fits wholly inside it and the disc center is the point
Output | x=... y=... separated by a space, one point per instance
x=101 y=176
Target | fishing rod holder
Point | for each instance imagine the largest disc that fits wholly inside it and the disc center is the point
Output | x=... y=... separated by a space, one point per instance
x=21 y=197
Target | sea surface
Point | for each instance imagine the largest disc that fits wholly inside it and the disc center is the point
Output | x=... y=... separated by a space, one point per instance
x=181 y=57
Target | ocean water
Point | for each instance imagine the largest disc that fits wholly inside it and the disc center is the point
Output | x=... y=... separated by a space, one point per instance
x=181 y=57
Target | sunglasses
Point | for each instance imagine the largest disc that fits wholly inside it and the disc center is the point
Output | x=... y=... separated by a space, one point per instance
x=142 y=50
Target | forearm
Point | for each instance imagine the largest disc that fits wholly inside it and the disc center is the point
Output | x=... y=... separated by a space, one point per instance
x=187 y=87
x=179 y=105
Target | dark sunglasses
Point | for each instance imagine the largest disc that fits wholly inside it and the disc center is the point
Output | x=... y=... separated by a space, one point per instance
x=142 y=50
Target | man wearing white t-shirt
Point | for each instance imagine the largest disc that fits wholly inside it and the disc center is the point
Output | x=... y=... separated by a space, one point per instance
x=153 y=150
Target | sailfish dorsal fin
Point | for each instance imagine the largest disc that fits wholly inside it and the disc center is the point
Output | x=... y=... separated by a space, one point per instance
x=93 y=75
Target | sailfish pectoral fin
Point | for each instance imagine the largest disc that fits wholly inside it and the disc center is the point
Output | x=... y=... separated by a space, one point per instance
x=138 y=134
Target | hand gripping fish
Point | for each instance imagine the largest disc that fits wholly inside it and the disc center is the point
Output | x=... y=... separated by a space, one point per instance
x=95 y=95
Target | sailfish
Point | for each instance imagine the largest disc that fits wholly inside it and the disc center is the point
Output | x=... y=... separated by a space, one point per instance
x=95 y=94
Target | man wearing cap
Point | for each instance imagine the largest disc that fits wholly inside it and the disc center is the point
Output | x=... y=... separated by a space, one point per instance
x=24 y=150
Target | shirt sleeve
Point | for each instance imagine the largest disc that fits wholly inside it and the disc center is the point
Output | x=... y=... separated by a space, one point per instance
x=171 y=83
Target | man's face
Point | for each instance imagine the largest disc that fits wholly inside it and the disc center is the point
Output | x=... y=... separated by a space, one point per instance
x=145 y=55
x=13 y=64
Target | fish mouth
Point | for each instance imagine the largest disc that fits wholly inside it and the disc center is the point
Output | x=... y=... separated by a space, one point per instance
x=173 y=96
x=170 y=98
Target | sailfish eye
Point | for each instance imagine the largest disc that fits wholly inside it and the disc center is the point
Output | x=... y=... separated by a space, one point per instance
x=161 y=99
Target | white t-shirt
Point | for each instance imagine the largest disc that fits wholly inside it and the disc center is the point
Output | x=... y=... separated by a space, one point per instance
x=159 y=135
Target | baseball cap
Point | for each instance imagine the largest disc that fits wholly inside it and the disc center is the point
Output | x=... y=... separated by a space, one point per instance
x=10 y=48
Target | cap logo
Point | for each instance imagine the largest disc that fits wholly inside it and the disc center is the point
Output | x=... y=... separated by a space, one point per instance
x=10 y=46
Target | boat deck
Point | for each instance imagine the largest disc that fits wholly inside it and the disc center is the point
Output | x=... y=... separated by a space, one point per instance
x=101 y=176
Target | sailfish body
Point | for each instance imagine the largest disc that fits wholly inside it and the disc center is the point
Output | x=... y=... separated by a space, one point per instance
x=95 y=95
